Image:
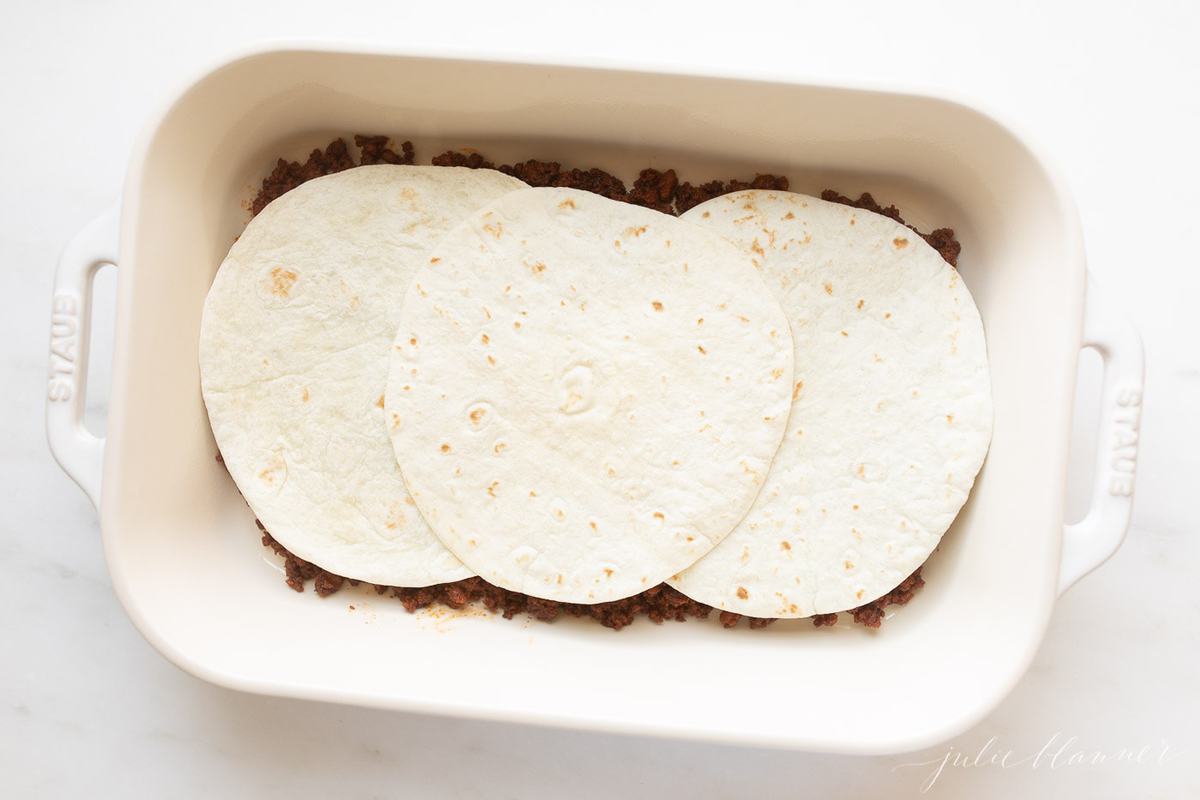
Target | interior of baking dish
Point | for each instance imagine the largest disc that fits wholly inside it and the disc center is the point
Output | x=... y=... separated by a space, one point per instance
x=185 y=554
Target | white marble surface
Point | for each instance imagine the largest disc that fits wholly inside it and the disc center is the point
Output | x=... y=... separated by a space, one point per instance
x=1114 y=98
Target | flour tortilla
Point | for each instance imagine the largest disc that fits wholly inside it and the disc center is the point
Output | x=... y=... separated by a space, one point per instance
x=892 y=413
x=294 y=349
x=585 y=395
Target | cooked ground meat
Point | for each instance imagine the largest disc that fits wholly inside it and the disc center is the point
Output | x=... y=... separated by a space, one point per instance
x=454 y=158
x=689 y=195
x=550 y=173
x=375 y=150
x=941 y=239
x=287 y=175
x=660 y=190
x=654 y=189
x=658 y=604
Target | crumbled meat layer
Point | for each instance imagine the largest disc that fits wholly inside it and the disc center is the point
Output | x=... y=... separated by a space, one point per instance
x=658 y=604
x=941 y=239
x=688 y=195
x=375 y=150
x=654 y=189
x=551 y=173
x=661 y=191
x=287 y=175
x=454 y=158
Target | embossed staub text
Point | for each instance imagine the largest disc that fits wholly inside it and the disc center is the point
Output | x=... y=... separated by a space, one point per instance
x=64 y=347
x=1123 y=456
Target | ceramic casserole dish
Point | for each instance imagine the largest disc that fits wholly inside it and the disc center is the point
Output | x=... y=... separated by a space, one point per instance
x=181 y=544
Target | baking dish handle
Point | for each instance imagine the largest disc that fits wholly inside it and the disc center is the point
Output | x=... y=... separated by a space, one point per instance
x=1089 y=543
x=79 y=452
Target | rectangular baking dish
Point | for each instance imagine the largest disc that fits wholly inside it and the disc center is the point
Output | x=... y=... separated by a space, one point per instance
x=182 y=547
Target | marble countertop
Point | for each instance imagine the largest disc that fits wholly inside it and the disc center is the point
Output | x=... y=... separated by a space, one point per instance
x=1113 y=98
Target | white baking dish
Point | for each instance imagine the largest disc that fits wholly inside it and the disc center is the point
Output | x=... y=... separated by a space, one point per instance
x=181 y=544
